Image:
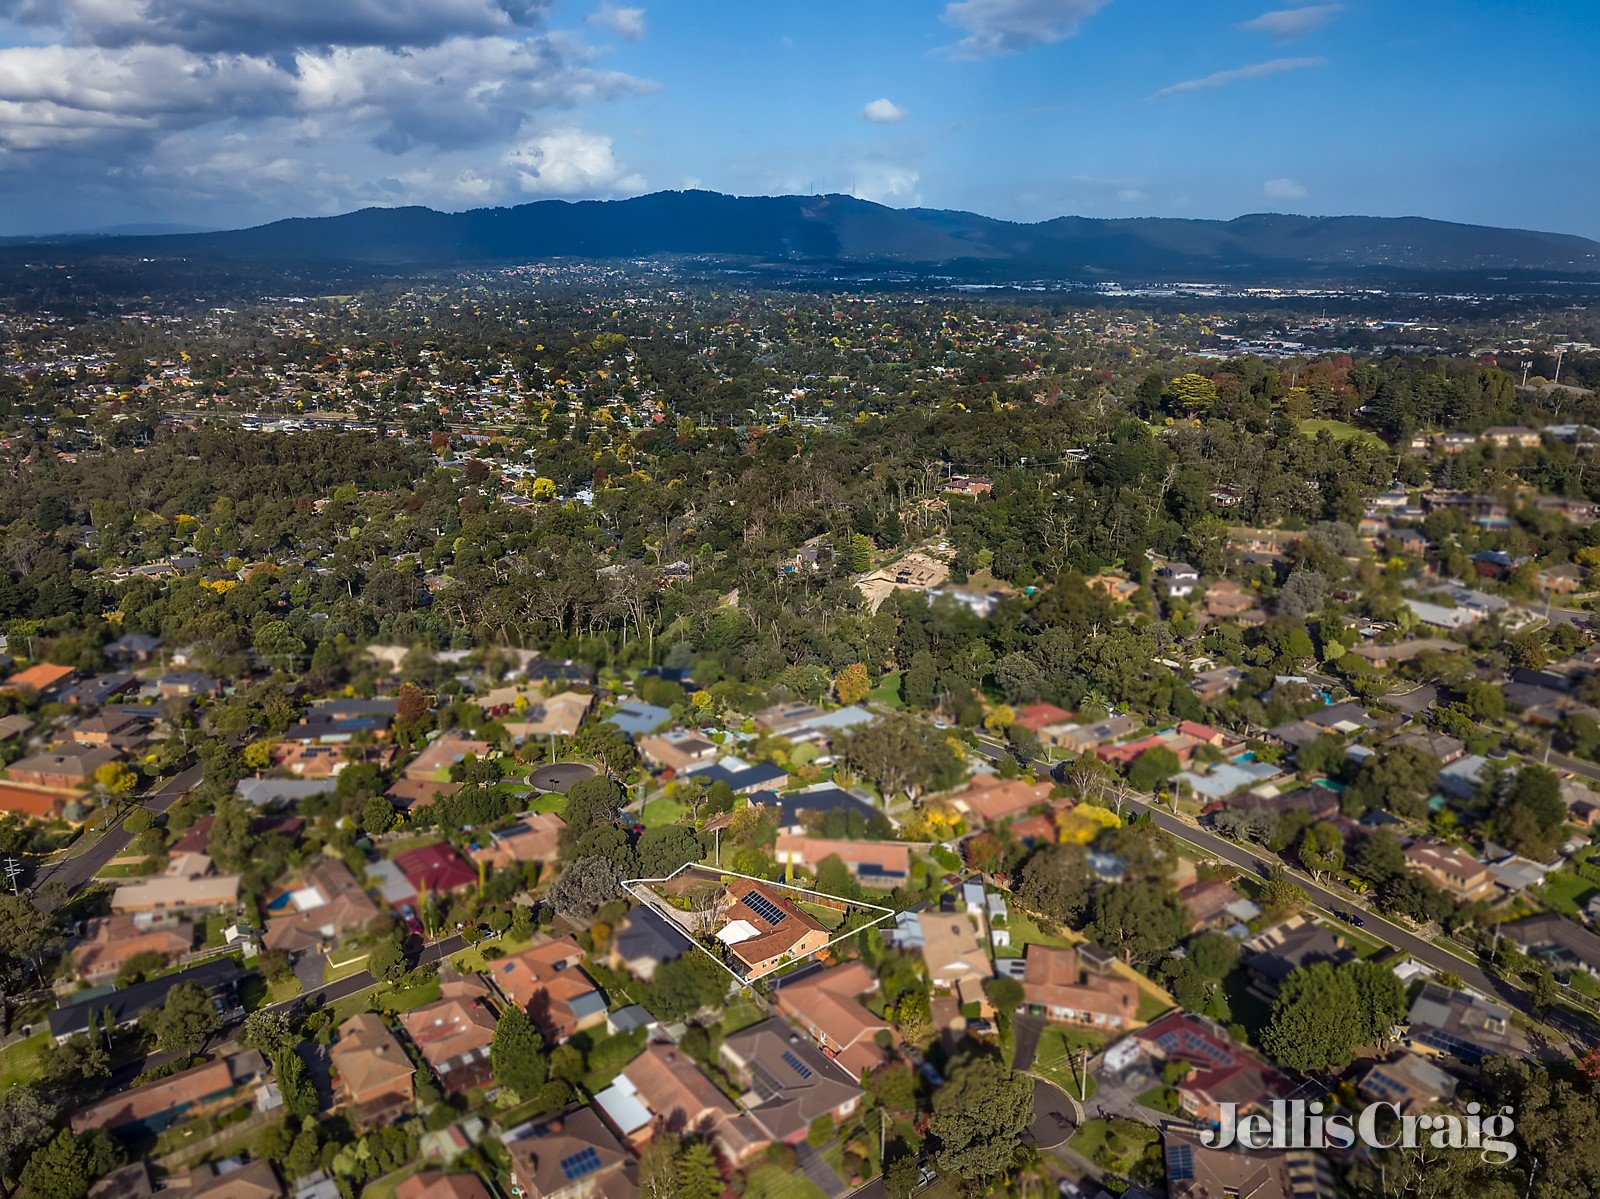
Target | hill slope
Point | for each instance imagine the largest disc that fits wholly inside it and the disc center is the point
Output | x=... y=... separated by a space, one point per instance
x=844 y=230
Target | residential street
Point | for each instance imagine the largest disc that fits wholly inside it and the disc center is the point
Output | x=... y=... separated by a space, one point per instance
x=1374 y=926
x=76 y=870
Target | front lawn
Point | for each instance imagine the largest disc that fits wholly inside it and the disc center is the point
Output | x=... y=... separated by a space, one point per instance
x=19 y=1061
x=1116 y=1145
x=774 y=1182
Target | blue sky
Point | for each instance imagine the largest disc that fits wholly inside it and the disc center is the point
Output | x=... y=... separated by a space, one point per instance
x=229 y=112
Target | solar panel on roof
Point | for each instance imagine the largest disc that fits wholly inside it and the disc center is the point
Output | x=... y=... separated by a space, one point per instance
x=576 y=1165
x=795 y=1064
x=1180 y=1163
x=764 y=907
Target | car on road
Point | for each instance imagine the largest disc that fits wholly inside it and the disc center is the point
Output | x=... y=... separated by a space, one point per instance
x=926 y=1177
x=1354 y=919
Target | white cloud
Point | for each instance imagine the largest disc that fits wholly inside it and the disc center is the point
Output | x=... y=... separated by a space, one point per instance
x=253 y=26
x=883 y=112
x=462 y=92
x=1006 y=26
x=1258 y=70
x=1294 y=22
x=624 y=22
x=1284 y=189
x=885 y=184
x=1132 y=195
x=570 y=162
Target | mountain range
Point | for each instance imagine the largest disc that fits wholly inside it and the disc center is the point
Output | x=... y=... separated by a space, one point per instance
x=836 y=230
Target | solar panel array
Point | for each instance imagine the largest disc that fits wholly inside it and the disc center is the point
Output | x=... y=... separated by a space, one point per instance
x=764 y=907
x=576 y=1165
x=1180 y=1163
x=795 y=1064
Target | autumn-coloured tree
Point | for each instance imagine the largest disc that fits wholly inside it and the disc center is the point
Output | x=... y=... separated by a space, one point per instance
x=852 y=686
x=412 y=705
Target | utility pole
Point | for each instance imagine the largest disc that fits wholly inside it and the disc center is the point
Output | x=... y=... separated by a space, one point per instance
x=13 y=872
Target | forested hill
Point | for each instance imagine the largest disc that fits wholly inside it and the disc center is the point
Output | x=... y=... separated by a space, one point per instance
x=843 y=230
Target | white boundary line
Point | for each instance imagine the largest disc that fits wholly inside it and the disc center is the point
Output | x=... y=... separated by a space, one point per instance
x=630 y=883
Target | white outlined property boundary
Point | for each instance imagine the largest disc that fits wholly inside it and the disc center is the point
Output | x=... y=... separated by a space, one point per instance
x=654 y=901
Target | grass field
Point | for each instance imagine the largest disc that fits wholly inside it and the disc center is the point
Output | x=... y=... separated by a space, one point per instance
x=773 y=1182
x=661 y=811
x=19 y=1061
x=829 y=918
x=1116 y=1145
x=1053 y=1058
x=1339 y=430
x=1565 y=893
x=552 y=801
x=887 y=692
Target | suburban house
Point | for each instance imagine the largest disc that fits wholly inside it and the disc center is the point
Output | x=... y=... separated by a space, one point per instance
x=1451 y=870
x=43 y=680
x=115 y=731
x=673 y=753
x=763 y=928
x=1215 y=905
x=535 y=837
x=1560 y=943
x=454 y=1034
x=190 y=884
x=954 y=955
x=1411 y=1081
x=825 y=1004
x=434 y=762
x=1055 y=985
x=1220 y=1069
x=665 y=1090
x=569 y=1156
x=1197 y=1171
x=1461 y=1025
x=218 y=978
x=437 y=869
x=372 y=1071
x=1278 y=952
x=642 y=941
x=67 y=767
x=110 y=941
x=881 y=864
x=226 y=1179
x=40 y=803
x=549 y=983
x=988 y=798
x=436 y=1184
x=139 y=1112
x=327 y=904
x=789 y=1083
x=548 y=716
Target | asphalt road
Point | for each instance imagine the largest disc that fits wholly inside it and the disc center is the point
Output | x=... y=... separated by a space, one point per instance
x=75 y=871
x=354 y=984
x=1373 y=925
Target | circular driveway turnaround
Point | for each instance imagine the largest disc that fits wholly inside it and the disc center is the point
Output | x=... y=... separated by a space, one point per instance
x=1052 y=1116
x=558 y=776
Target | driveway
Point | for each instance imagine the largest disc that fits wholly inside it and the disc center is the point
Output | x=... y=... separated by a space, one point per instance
x=1025 y=1033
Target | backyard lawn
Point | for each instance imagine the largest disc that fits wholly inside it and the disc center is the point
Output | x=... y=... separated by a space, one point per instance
x=1565 y=893
x=661 y=811
x=1339 y=429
